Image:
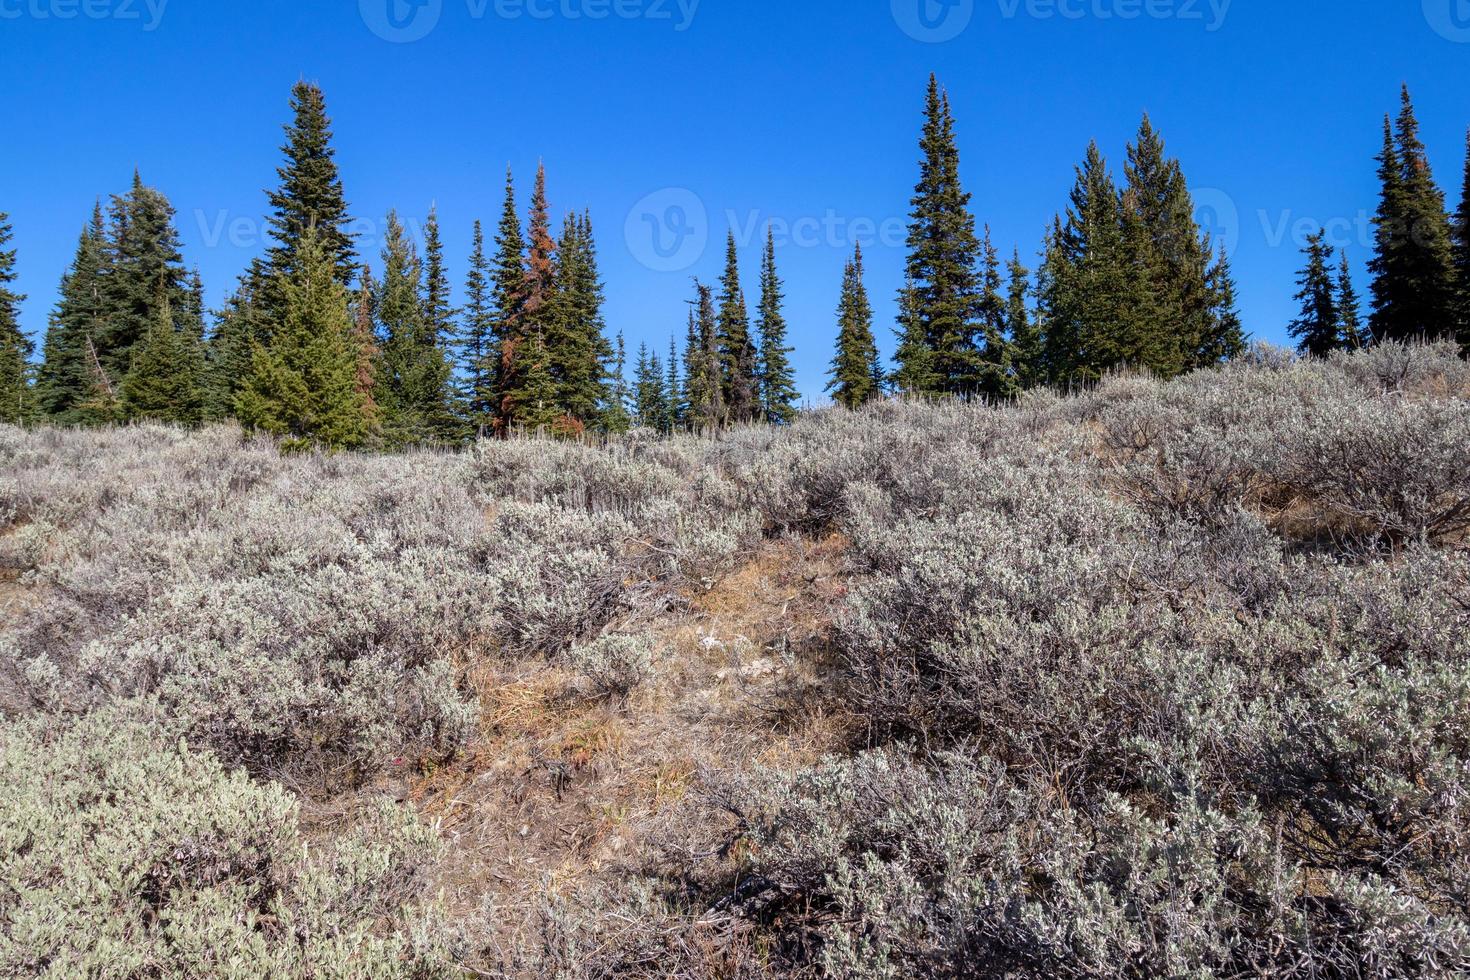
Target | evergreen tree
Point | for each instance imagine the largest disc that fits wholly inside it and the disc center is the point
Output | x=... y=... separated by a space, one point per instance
x=366 y=354
x=476 y=346
x=1227 y=339
x=304 y=385
x=1349 y=309
x=1021 y=327
x=580 y=356
x=1414 y=288
x=615 y=416
x=536 y=406
x=651 y=402
x=507 y=300
x=309 y=196
x=413 y=386
x=1317 y=328
x=995 y=377
x=1462 y=256
x=857 y=376
x=940 y=303
x=674 y=392
x=438 y=314
x=165 y=381
x=230 y=351
x=145 y=272
x=536 y=313
x=778 y=393
x=15 y=347
x=740 y=386
x=704 y=399
x=67 y=385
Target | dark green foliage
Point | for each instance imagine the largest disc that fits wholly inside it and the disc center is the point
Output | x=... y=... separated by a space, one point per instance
x=857 y=376
x=438 y=314
x=238 y=327
x=1349 y=309
x=536 y=399
x=507 y=301
x=1413 y=264
x=580 y=355
x=1462 y=257
x=165 y=381
x=939 y=352
x=413 y=387
x=476 y=346
x=303 y=385
x=67 y=389
x=16 y=394
x=678 y=409
x=704 y=400
x=995 y=376
x=651 y=398
x=1318 y=327
x=1021 y=327
x=310 y=193
x=738 y=379
x=777 y=378
x=525 y=401
x=144 y=273
x=366 y=354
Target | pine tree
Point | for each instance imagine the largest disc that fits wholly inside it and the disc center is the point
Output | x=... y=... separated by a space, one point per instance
x=995 y=377
x=1349 y=309
x=309 y=196
x=940 y=326
x=615 y=416
x=1021 y=327
x=704 y=399
x=738 y=379
x=651 y=402
x=366 y=355
x=856 y=373
x=537 y=309
x=537 y=409
x=438 y=314
x=1227 y=339
x=507 y=300
x=1414 y=288
x=165 y=381
x=413 y=386
x=476 y=346
x=15 y=347
x=674 y=391
x=303 y=386
x=1317 y=328
x=580 y=356
x=145 y=271
x=238 y=327
x=66 y=383
x=1462 y=256
x=778 y=394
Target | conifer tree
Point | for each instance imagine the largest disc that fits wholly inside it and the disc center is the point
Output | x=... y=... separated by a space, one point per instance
x=536 y=400
x=303 y=386
x=651 y=402
x=438 y=314
x=164 y=382
x=144 y=272
x=507 y=300
x=778 y=392
x=704 y=400
x=238 y=327
x=15 y=347
x=1414 y=285
x=1462 y=256
x=615 y=416
x=476 y=348
x=1349 y=309
x=1021 y=327
x=940 y=316
x=66 y=383
x=674 y=390
x=537 y=308
x=738 y=378
x=856 y=374
x=995 y=377
x=1317 y=328
x=413 y=386
x=309 y=195
x=366 y=354
x=579 y=354
x=1227 y=339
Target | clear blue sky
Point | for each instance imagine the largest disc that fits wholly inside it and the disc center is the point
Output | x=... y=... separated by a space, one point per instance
x=805 y=113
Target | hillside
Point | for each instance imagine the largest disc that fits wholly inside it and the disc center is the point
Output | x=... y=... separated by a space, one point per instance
x=1164 y=678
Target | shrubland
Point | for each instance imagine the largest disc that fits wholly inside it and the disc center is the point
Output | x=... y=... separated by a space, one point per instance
x=1163 y=678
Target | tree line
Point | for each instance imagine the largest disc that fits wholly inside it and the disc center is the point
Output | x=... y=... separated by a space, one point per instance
x=313 y=346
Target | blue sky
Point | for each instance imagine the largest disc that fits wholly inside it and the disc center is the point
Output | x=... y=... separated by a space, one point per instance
x=683 y=117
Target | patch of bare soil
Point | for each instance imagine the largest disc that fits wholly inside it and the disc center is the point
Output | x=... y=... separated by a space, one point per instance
x=559 y=789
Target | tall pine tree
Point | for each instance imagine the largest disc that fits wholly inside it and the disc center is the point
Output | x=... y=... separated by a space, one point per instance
x=67 y=389
x=1349 y=309
x=778 y=393
x=739 y=381
x=704 y=398
x=310 y=194
x=165 y=380
x=507 y=301
x=476 y=347
x=304 y=386
x=1317 y=328
x=1021 y=327
x=145 y=272
x=856 y=374
x=524 y=388
x=1462 y=257
x=413 y=386
x=15 y=347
